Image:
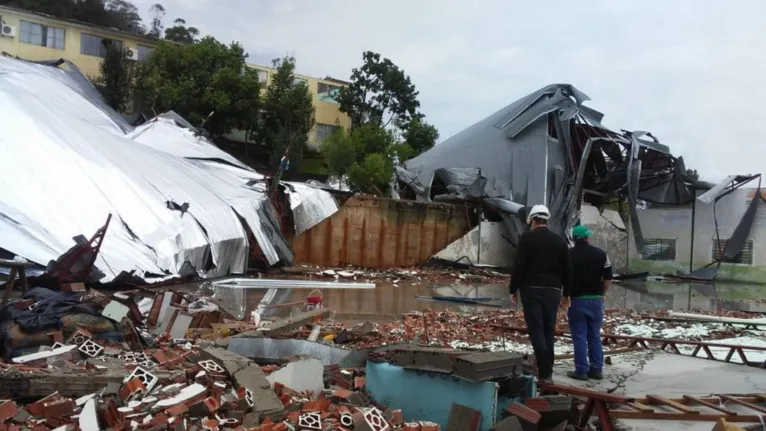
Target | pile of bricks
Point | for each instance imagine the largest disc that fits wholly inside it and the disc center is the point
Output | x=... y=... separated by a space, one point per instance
x=549 y=413
x=178 y=387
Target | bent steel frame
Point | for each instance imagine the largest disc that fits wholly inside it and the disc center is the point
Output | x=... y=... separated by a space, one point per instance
x=671 y=346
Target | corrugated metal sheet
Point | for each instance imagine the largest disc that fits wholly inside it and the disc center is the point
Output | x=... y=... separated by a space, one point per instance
x=175 y=196
x=381 y=233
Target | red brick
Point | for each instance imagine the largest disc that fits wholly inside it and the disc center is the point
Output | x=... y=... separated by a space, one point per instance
x=8 y=410
x=59 y=409
x=38 y=408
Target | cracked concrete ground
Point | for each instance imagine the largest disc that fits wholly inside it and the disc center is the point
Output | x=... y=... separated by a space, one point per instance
x=651 y=372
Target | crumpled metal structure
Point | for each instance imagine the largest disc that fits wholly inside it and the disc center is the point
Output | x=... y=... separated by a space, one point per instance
x=175 y=197
x=545 y=148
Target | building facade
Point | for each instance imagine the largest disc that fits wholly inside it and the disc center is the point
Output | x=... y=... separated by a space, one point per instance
x=37 y=37
x=327 y=115
x=668 y=247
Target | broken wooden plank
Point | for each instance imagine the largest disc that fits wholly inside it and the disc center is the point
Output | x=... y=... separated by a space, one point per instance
x=702 y=417
x=743 y=403
x=656 y=399
x=639 y=407
x=690 y=399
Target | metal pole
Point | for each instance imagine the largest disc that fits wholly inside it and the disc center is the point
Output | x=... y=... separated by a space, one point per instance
x=691 y=242
x=478 y=245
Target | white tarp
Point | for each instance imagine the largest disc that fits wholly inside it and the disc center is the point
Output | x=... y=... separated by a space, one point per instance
x=68 y=165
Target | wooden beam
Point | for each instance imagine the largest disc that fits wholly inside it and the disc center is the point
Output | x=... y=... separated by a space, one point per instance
x=743 y=403
x=656 y=399
x=701 y=417
x=694 y=400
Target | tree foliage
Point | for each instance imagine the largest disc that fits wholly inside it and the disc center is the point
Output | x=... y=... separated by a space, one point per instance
x=198 y=80
x=120 y=14
x=379 y=93
x=372 y=175
x=116 y=80
x=381 y=99
x=339 y=153
x=157 y=27
x=420 y=136
x=287 y=115
x=364 y=156
x=180 y=33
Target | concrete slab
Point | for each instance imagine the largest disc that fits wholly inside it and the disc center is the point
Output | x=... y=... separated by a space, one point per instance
x=649 y=372
x=302 y=375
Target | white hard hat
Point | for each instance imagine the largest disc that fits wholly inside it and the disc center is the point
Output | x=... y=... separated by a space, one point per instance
x=538 y=211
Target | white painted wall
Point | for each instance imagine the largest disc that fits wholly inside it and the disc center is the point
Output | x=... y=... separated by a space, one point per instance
x=497 y=251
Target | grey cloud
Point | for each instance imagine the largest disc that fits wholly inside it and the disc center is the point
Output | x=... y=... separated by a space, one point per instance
x=687 y=70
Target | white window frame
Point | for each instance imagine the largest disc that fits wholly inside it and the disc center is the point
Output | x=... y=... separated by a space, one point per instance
x=46 y=36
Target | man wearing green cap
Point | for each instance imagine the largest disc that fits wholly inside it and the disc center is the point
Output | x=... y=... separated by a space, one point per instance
x=592 y=275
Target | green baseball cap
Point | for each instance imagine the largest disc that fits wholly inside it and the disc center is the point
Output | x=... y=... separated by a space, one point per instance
x=581 y=232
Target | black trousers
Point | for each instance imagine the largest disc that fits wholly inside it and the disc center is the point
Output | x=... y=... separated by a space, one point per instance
x=541 y=304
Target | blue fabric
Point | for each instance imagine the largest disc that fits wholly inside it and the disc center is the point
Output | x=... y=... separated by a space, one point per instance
x=585 y=317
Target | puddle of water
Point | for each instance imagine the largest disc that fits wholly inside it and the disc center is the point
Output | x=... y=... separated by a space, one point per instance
x=389 y=301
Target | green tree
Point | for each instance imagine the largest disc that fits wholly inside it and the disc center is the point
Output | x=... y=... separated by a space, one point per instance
x=339 y=153
x=419 y=136
x=125 y=16
x=286 y=117
x=372 y=175
x=208 y=83
x=116 y=80
x=158 y=13
x=180 y=33
x=120 y=14
x=379 y=93
x=364 y=155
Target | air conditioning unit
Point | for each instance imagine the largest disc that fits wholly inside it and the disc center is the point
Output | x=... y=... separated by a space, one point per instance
x=133 y=55
x=8 y=31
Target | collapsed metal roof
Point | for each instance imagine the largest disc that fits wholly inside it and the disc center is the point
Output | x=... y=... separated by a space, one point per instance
x=546 y=148
x=176 y=198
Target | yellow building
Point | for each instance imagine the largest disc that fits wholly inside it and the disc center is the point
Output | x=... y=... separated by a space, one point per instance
x=327 y=115
x=36 y=36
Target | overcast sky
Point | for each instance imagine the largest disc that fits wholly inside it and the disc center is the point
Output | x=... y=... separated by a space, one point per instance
x=689 y=71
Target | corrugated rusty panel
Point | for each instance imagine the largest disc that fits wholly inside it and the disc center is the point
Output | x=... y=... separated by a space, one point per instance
x=381 y=233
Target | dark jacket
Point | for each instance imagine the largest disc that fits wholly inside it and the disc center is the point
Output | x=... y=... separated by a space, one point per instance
x=542 y=259
x=591 y=267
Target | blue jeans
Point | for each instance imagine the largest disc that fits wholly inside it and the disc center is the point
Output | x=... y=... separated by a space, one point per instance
x=585 y=317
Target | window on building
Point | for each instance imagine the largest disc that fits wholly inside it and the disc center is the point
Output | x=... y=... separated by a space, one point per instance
x=41 y=35
x=324 y=131
x=744 y=257
x=95 y=45
x=144 y=52
x=659 y=249
x=328 y=92
x=263 y=76
x=327 y=88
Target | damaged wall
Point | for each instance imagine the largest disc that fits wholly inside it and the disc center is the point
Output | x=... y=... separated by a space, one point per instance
x=608 y=233
x=670 y=226
x=372 y=232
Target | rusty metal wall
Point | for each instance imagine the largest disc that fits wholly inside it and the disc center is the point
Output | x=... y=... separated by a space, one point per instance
x=375 y=232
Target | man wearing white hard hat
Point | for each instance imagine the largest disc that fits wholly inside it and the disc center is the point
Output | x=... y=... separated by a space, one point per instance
x=542 y=276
